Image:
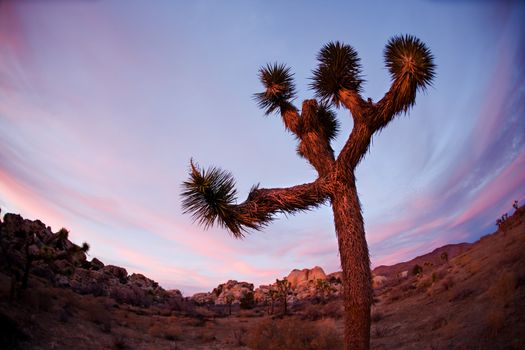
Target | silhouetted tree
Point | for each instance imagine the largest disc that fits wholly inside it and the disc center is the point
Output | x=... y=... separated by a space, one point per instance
x=323 y=289
x=247 y=301
x=229 y=301
x=416 y=270
x=283 y=289
x=271 y=296
x=210 y=195
x=444 y=256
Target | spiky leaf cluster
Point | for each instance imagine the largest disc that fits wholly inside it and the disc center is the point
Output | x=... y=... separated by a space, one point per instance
x=280 y=88
x=408 y=57
x=328 y=123
x=208 y=195
x=339 y=68
x=85 y=247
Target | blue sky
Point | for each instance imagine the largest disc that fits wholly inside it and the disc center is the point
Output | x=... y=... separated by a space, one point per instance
x=103 y=103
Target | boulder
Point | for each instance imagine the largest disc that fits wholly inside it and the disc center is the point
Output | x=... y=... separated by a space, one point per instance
x=305 y=276
x=142 y=282
x=203 y=298
x=96 y=264
x=232 y=291
x=317 y=273
x=378 y=281
x=89 y=282
x=116 y=271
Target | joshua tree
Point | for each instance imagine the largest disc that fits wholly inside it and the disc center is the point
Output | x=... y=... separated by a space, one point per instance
x=283 y=288
x=229 y=301
x=271 y=296
x=444 y=256
x=323 y=289
x=210 y=195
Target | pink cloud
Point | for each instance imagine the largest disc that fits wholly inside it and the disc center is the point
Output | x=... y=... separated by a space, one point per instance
x=25 y=200
x=502 y=186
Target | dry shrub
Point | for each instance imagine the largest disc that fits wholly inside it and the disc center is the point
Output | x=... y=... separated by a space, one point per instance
x=249 y=313
x=119 y=342
x=461 y=295
x=447 y=283
x=40 y=299
x=165 y=330
x=238 y=336
x=504 y=288
x=312 y=313
x=474 y=267
x=196 y=322
x=439 y=323
x=98 y=313
x=395 y=294
x=424 y=283
x=334 y=309
x=463 y=260
x=206 y=336
x=495 y=321
x=293 y=334
x=202 y=312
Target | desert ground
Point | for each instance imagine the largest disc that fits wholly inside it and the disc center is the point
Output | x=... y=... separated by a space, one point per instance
x=463 y=296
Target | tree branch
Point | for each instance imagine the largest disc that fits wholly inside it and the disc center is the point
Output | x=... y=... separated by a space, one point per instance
x=355 y=147
x=411 y=66
x=314 y=135
x=210 y=197
x=353 y=101
x=400 y=97
x=290 y=117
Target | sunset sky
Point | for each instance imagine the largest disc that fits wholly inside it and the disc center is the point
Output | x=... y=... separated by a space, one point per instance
x=103 y=103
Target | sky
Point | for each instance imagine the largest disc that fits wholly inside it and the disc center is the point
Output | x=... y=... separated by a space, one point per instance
x=103 y=104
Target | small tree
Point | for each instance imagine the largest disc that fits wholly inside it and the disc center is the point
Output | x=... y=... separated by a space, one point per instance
x=416 y=270
x=503 y=223
x=247 y=301
x=211 y=196
x=323 y=289
x=444 y=257
x=229 y=301
x=283 y=289
x=516 y=205
x=271 y=297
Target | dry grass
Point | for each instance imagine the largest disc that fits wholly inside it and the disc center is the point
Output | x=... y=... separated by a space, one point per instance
x=395 y=294
x=166 y=330
x=495 y=321
x=502 y=291
x=293 y=334
x=206 y=336
x=40 y=299
x=98 y=312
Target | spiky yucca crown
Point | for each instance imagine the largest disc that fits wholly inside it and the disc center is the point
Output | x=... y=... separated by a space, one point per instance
x=210 y=197
x=407 y=56
x=280 y=88
x=328 y=121
x=339 y=68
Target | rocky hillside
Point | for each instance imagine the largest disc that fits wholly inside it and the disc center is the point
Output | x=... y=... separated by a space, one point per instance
x=29 y=248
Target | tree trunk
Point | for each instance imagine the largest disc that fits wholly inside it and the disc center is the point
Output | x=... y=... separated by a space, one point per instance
x=353 y=250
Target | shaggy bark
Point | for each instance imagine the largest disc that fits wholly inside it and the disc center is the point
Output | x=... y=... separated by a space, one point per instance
x=353 y=250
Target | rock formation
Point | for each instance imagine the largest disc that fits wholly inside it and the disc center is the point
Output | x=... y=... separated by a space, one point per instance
x=30 y=245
